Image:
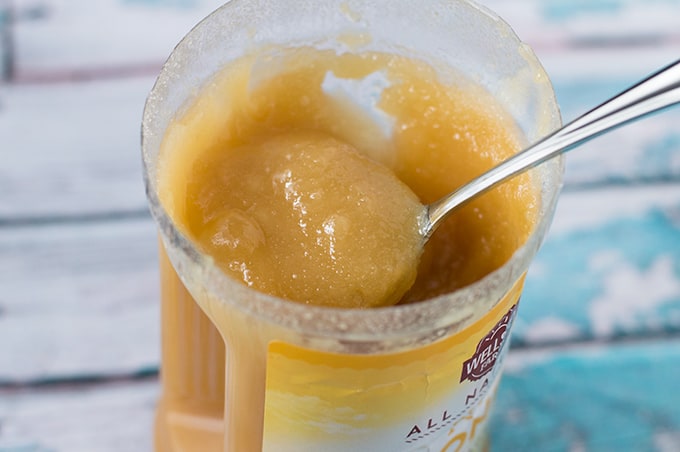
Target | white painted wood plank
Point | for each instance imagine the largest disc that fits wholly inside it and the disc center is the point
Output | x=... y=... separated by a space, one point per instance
x=82 y=299
x=79 y=418
x=72 y=148
x=77 y=34
x=78 y=299
x=617 y=397
x=82 y=35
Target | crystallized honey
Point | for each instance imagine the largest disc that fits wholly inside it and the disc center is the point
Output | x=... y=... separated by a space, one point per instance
x=292 y=188
x=301 y=171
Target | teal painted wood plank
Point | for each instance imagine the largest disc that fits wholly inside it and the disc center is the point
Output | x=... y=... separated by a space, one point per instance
x=591 y=398
x=609 y=268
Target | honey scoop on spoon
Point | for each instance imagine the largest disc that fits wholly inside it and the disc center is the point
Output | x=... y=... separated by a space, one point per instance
x=660 y=90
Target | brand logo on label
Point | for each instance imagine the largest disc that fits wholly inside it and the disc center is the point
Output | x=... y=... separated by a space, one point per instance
x=484 y=358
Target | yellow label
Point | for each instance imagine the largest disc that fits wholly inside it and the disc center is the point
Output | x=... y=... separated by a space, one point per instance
x=431 y=398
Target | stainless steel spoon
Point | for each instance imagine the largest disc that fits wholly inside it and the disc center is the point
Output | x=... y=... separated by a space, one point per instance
x=660 y=90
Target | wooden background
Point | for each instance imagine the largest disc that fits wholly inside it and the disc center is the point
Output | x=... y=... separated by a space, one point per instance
x=595 y=363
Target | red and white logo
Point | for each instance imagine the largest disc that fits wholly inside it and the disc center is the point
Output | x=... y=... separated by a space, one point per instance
x=484 y=358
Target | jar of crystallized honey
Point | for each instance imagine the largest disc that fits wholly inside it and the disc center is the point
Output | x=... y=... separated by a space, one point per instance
x=437 y=92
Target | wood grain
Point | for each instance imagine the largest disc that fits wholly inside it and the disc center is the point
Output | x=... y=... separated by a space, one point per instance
x=78 y=300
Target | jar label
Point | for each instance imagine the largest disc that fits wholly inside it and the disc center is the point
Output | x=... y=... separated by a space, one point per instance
x=434 y=398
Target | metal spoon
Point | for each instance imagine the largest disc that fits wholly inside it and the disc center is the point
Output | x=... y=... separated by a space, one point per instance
x=660 y=90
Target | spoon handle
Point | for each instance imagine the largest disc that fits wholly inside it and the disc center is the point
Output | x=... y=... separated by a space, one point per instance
x=659 y=90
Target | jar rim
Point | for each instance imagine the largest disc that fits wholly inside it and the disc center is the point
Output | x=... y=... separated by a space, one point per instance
x=454 y=310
